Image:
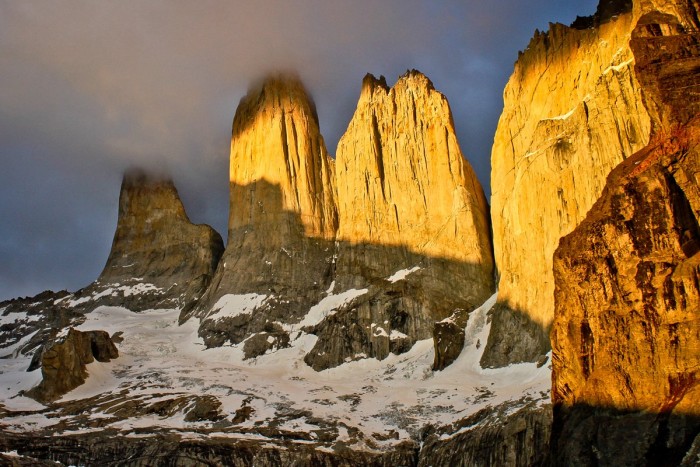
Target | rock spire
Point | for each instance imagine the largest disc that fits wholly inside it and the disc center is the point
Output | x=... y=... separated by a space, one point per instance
x=282 y=218
x=158 y=258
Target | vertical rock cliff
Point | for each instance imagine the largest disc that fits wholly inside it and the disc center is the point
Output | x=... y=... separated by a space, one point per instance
x=626 y=333
x=413 y=229
x=159 y=259
x=282 y=218
x=573 y=110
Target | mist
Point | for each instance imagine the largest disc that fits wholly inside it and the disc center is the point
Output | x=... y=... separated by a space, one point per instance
x=92 y=88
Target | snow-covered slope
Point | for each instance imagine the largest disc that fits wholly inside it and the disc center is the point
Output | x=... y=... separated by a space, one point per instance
x=166 y=379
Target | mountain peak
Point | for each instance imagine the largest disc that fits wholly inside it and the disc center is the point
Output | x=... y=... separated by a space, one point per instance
x=154 y=239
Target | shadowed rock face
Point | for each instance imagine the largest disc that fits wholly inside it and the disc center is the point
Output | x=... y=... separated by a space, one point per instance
x=626 y=334
x=159 y=259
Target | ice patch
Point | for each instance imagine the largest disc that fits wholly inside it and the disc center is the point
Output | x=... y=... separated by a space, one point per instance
x=402 y=274
x=231 y=305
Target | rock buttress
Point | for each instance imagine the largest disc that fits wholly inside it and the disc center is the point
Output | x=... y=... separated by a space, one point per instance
x=573 y=110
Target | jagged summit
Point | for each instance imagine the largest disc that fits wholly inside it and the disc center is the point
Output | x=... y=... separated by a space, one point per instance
x=401 y=174
x=408 y=202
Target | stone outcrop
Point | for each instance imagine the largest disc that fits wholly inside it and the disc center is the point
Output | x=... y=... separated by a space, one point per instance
x=407 y=201
x=626 y=334
x=27 y=323
x=63 y=361
x=490 y=437
x=448 y=339
x=282 y=218
x=573 y=110
x=159 y=259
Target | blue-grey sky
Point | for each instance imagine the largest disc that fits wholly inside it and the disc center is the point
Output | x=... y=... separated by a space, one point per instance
x=88 y=88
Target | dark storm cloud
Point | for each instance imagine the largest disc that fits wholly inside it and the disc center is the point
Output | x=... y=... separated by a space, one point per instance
x=88 y=88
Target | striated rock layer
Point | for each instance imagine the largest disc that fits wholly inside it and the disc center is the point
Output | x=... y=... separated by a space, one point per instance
x=573 y=110
x=159 y=259
x=407 y=201
x=282 y=219
x=626 y=334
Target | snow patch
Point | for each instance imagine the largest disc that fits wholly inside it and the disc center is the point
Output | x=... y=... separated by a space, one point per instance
x=231 y=305
x=618 y=68
x=402 y=274
x=328 y=306
x=159 y=359
x=12 y=318
x=564 y=116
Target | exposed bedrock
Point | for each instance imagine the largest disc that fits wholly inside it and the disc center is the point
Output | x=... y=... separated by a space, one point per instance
x=399 y=222
x=626 y=333
x=63 y=361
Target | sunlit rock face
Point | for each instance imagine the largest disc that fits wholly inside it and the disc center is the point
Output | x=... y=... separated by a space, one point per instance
x=573 y=110
x=407 y=201
x=159 y=259
x=403 y=181
x=282 y=218
x=276 y=141
x=626 y=333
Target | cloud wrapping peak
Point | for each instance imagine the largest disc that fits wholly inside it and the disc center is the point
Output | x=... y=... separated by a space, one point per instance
x=91 y=88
